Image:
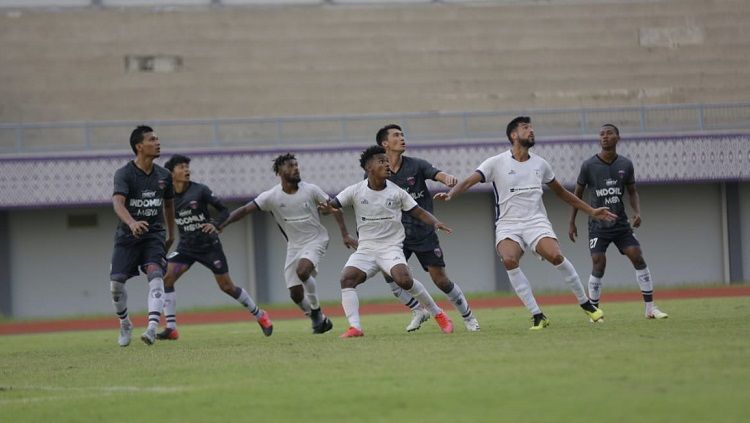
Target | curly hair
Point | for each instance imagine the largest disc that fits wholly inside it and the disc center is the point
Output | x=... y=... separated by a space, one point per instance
x=369 y=153
x=280 y=160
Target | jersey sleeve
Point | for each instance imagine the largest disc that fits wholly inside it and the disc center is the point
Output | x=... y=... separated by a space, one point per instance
x=486 y=169
x=319 y=194
x=427 y=169
x=263 y=201
x=547 y=174
x=121 y=183
x=583 y=174
x=346 y=197
x=223 y=212
x=630 y=177
x=407 y=202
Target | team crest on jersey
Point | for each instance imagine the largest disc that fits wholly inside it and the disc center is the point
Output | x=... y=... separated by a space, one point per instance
x=621 y=173
x=389 y=203
x=537 y=172
x=411 y=181
x=162 y=183
x=193 y=204
x=438 y=252
x=217 y=264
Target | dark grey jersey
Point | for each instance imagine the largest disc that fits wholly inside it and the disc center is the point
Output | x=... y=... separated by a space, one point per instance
x=191 y=213
x=144 y=195
x=607 y=184
x=411 y=177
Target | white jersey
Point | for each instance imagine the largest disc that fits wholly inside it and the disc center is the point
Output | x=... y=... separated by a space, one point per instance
x=378 y=213
x=518 y=187
x=297 y=214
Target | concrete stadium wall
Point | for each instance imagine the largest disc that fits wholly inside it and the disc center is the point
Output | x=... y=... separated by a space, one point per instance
x=57 y=271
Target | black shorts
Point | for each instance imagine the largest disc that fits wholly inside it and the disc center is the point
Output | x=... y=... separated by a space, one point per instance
x=130 y=253
x=426 y=258
x=213 y=258
x=598 y=243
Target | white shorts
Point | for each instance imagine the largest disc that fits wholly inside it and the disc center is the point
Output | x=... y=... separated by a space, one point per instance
x=371 y=262
x=312 y=251
x=526 y=235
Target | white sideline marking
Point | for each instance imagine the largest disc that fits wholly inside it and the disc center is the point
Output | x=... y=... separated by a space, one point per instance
x=81 y=392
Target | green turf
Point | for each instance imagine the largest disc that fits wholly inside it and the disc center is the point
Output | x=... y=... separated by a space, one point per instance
x=693 y=367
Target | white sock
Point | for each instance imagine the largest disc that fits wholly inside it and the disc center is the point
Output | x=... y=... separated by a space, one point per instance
x=643 y=276
x=595 y=289
x=120 y=300
x=350 y=302
x=523 y=289
x=571 y=278
x=155 y=301
x=304 y=305
x=170 y=309
x=417 y=291
x=403 y=296
x=459 y=301
x=311 y=292
x=246 y=300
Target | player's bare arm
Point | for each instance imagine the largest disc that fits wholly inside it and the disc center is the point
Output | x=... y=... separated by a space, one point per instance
x=349 y=241
x=460 y=187
x=601 y=213
x=635 y=203
x=446 y=179
x=428 y=218
x=572 y=229
x=137 y=227
x=169 y=216
x=239 y=213
x=329 y=206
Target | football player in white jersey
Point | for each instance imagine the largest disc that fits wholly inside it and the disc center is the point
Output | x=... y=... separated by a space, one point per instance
x=521 y=221
x=294 y=205
x=378 y=204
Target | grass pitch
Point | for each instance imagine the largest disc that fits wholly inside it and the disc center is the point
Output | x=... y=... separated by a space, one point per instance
x=692 y=367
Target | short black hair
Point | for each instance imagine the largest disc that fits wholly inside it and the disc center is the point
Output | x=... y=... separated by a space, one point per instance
x=512 y=125
x=382 y=134
x=175 y=160
x=369 y=153
x=617 y=130
x=280 y=160
x=136 y=137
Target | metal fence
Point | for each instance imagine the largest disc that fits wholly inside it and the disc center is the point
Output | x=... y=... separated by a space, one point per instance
x=430 y=127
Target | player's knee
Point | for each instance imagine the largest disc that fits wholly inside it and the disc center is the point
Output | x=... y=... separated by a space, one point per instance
x=639 y=263
x=510 y=263
x=348 y=281
x=303 y=273
x=556 y=259
x=404 y=281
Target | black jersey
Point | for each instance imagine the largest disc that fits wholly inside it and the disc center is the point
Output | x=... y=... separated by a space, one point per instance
x=144 y=196
x=411 y=176
x=607 y=183
x=191 y=213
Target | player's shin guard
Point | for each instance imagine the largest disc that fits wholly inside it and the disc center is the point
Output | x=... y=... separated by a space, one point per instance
x=155 y=301
x=595 y=289
x=420 y=293
x=120 y=299
x=170 y=307
x=311 y=292
x=350 y=303
x=571 y=278
x=459 y=301
x=523 y=290
x=403 y=296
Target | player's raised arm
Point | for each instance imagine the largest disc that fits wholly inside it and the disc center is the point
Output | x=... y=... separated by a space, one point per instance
x=239 y=213
x=572 y=229
x=459 y=188
x=601 y=213
x=428 y=218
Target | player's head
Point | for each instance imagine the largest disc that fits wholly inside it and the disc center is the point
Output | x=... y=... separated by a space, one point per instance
x=286 y=166
x=374 y=161
x=609 y=134
x=520 y=130
x=179 y=165
x=391 y=137
x=144 y=138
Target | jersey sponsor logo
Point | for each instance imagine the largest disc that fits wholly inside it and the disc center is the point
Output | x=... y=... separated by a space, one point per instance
x=417 y=195
x=411 y=181
x=364 y=201
x=610 y=182
x=376 y=218
x=603 y=192
x=140 y=202
x=148 y=194
x=523 y=189
x=187 y=220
